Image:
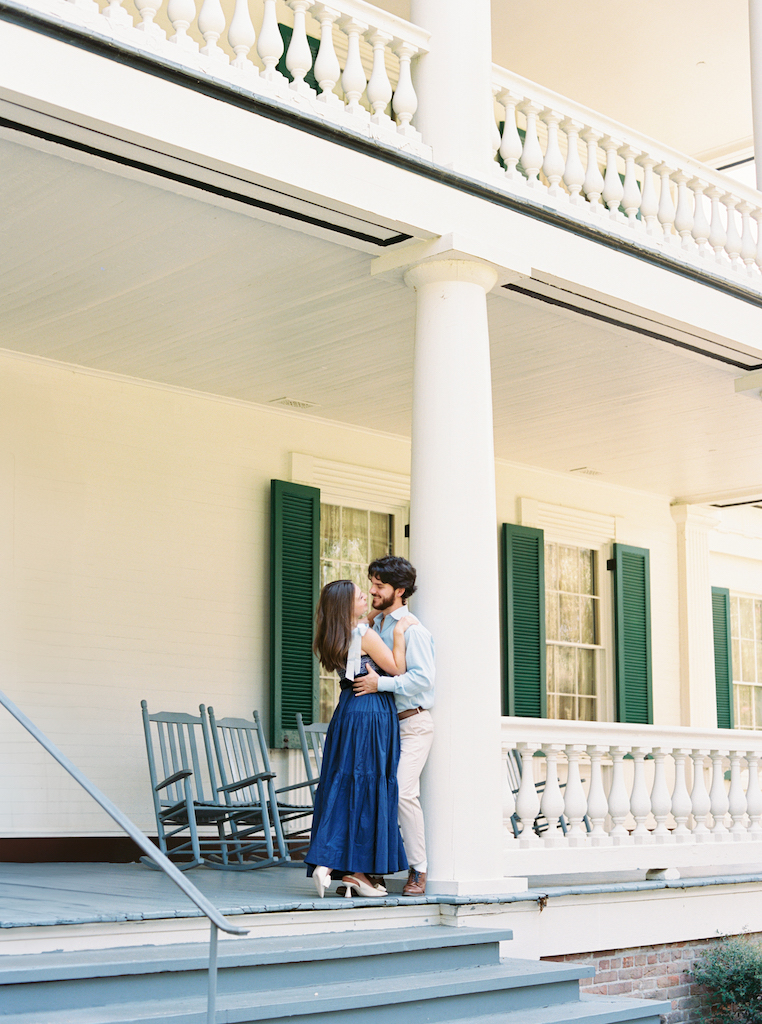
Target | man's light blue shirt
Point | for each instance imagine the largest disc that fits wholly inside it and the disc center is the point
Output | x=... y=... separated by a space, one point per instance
x=416 y=687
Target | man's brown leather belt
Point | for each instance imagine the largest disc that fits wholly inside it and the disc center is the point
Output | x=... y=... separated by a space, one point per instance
x=409 y=712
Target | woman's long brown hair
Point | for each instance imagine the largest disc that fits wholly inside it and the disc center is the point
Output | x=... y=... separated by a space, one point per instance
x=333 y=624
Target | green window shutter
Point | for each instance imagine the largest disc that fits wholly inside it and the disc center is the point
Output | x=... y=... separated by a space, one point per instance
x=632 y=634
x=523 y=579
x=294 y=585
x=723 y=664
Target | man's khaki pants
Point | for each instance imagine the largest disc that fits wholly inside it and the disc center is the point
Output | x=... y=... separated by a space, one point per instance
x=416 y=734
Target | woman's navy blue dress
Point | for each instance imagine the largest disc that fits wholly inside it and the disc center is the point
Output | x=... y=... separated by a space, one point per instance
x=354 y=825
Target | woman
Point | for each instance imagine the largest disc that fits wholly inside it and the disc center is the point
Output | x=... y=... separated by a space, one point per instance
x=354 y=825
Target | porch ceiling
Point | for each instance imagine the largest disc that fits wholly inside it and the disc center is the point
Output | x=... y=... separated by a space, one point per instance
x=120 y=276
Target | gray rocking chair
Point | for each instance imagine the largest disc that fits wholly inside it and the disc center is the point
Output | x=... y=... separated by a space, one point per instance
x=183 y=788
x=312 y=740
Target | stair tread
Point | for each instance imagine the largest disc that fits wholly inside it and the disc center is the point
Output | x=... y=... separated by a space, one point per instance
x=506 y=976
x=16 y=969
x=596 y=1009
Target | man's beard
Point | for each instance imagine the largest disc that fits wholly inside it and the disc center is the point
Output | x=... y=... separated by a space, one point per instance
x=383 y=603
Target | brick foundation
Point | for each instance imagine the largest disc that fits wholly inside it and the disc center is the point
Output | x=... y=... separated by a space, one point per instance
x=650 y=972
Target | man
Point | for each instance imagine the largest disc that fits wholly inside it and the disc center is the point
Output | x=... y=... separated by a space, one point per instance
x=392 y=583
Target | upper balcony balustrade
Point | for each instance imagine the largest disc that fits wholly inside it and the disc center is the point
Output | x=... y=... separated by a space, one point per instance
x=356 y=56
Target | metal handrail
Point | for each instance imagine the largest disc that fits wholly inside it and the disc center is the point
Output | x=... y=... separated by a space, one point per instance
x=216 y=919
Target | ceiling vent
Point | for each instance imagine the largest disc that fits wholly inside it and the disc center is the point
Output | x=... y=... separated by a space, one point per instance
x=586 y=471
x=293 y=403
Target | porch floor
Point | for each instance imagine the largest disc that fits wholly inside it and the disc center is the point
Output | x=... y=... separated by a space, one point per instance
x=50 y=894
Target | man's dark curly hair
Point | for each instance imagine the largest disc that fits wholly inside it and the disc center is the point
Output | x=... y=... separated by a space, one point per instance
x=395 y=570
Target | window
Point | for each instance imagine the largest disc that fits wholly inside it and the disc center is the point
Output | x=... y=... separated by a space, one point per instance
x=350 y=538
x=746 y=648
x=571 y=631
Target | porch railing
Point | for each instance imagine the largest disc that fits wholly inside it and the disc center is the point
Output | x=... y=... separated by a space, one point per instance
x=356 y=56
x=631 y=796
x=216 y=919
x=597 y=170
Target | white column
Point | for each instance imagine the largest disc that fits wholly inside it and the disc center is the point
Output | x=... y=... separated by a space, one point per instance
x=697 y=685
x=453 y=545
x=755 y=43
x=454 y=83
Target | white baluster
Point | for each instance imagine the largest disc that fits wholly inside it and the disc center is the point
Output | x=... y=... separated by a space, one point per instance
x=593 y=184
x=718 y=795
x=681 y=800
x=527 y=800
x=737 y=799
x=757 y=215
x=640 y=801
x=270 y=43
x=495 y=137
x=733 y=241
x=666 y=212
x=701 y=225
x=181 y=14
x=748 y=244
x=660 y=799
x=299 y=55
x=574 y=172
x=117 y=14
x=327 y=67
x=405 y=100
x=353 y=80
x=553 y=164
x=597 y=804
x=631 y=191
x=754 y=795
x=613 y=189
x=241 y=36
x=717 y=234
x=684 y=211
x=510 y=145
x=148 y=9
x=211 y=25
x=379 y=87
x=649 y=206
x=575 y=803
x=552 y=802
x=619 y=801
x=509 y=802
x=700 y=803
x=531 y=153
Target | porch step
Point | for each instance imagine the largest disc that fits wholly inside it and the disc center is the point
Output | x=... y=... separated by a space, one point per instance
x=432 y=974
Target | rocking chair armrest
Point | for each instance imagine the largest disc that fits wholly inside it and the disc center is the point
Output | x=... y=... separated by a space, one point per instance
x=296 y=785
x=183 y=774
x=233 y=786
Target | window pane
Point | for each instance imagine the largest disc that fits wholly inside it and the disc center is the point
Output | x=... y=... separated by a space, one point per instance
x=569 y=618
x=586 y=582
x=736 y=656
x=746 y=607
x=354 y=535
x=587 y=709
x=758 y=620
x=587 y=634
x=744 y=707
x=568 y=569
x=551 y=567
x=758 y=707
x=566 y=709
x=565 y=669
x=735 y=622
x=586 y=672
x=748 y=661
x=330 y=531
x=551 y=615
x=379 y=535
x=552 y=705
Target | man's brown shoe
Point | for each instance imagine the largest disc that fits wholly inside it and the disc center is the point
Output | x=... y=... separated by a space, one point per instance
x=416 y=883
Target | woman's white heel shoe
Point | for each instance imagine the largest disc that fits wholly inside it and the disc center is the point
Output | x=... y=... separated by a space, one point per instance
x=353 y=883
x=322 y=878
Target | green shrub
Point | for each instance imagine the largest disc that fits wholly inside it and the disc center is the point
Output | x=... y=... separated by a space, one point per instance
x=732 y=971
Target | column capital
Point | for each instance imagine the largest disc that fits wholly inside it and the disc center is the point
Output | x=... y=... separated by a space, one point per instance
x=443 y=269
x=509 y=267
x=704 y=517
